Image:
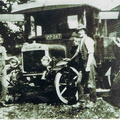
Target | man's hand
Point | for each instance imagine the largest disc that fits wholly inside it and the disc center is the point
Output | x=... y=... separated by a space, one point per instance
x=87 y=69
x=67 y=59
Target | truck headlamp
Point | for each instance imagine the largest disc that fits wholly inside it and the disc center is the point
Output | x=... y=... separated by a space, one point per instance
x=45 y=60
x=14 y=62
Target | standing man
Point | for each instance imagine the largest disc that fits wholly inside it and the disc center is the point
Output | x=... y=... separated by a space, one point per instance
x=85 y=52
x=3 y=74
x=3 y=81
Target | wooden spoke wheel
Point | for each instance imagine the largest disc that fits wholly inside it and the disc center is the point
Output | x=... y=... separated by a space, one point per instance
x=65 y=85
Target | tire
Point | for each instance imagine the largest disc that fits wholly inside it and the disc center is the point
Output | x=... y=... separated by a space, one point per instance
x=65 y=85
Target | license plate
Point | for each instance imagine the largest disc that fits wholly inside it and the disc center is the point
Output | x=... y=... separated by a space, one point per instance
x=53 y=36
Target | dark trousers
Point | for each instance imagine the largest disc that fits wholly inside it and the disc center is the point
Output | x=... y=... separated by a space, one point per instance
x=86 y=81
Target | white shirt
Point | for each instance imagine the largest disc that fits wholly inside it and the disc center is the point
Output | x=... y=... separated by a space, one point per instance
x=89 y=44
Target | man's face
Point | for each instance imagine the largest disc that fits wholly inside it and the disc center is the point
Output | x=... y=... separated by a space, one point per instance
x=81 y=33
x=76 y=41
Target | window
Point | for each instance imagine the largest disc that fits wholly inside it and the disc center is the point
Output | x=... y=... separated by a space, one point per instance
x=72 y=21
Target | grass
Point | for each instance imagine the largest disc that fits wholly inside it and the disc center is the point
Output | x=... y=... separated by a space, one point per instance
x=102 y=110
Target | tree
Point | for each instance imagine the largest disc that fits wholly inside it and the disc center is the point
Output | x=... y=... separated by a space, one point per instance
x=11 y=38
x=3 y=7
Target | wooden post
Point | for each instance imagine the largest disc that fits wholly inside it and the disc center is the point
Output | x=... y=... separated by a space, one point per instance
x=27 y=26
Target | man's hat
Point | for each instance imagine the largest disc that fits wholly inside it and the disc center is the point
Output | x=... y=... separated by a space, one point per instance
x=81 y=26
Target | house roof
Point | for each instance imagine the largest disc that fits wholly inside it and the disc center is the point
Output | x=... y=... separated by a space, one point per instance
x=43 y=5
x=117 y=8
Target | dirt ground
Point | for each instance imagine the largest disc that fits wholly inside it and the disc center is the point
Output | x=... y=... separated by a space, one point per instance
x=102 y=110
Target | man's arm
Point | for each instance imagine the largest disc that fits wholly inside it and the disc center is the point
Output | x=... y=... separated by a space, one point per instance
x=90 y=59
x=90 y=46
x=4 y=53
x=74 y=56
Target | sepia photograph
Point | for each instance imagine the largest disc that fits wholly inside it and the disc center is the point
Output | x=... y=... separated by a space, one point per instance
x=59 y=59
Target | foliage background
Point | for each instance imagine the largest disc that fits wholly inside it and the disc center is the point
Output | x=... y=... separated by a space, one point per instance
x=12 y=38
